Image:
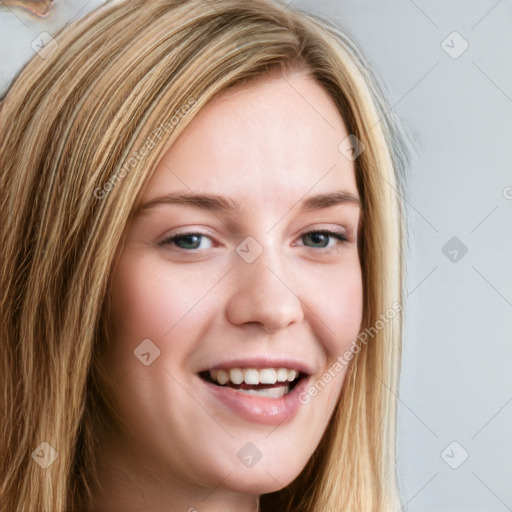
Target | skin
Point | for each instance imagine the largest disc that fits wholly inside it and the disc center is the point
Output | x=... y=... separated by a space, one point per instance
x=269 y=144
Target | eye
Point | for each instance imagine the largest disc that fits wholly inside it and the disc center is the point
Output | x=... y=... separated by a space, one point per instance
x=188 y=241
x=320 y=239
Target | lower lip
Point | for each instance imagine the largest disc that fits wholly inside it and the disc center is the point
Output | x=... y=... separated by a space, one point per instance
x=268 y=411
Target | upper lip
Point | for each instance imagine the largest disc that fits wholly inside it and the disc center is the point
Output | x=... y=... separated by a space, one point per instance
x=263 y=362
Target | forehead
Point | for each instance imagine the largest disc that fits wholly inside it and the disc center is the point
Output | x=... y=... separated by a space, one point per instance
x=269 y=142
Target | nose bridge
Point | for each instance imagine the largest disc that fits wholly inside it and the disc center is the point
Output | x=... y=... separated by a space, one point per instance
x=262 y=292
x=260 y=270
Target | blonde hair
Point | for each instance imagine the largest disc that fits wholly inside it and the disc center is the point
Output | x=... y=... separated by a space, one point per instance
x=129 y=77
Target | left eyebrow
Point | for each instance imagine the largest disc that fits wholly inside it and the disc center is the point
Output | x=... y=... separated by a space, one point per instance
x=217 y=203
x=330 y=199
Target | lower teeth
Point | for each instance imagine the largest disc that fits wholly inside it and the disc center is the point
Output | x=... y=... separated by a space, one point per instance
x=276 y=392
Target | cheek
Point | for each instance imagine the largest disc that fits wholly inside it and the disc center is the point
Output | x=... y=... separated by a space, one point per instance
x=147 y=303
x=347 y=319
x=336 y=310
x=340 y=307
x=147 y=300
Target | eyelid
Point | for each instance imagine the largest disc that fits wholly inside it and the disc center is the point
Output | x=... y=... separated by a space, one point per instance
x=340 y=233
x=167 y=240
x=341 y=237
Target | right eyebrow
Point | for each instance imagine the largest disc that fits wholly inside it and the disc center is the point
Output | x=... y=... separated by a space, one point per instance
x=218 y=203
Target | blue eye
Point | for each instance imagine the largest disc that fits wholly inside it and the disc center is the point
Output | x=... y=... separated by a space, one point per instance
x=186 y=241
x=192 y=241
x=320 y=239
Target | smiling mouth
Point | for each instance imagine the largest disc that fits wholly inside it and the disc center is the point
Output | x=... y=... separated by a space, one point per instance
x=265 y=382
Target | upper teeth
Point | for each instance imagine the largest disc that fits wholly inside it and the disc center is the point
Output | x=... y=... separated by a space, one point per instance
x=254 y=376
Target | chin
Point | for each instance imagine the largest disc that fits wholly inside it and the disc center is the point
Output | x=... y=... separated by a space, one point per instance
x=261 y=482
x=263 y=477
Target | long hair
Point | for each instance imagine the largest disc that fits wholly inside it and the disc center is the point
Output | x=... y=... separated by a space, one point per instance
x=84 y=126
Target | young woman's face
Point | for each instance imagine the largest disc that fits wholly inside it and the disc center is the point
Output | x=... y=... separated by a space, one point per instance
x=228 y=272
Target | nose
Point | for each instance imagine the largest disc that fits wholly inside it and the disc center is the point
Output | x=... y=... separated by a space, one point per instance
x=263 y=294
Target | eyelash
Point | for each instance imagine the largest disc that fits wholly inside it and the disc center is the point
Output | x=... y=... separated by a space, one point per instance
x=333 y=234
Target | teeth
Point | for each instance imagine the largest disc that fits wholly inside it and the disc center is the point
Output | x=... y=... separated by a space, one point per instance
x=282 y=375
x=292 y=375
x=268 y=376
x=276 y=392
x=222 y=377
x=253 y=376
x=236 y=375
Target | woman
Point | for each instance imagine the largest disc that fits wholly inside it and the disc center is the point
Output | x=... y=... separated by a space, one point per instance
x=202 y=273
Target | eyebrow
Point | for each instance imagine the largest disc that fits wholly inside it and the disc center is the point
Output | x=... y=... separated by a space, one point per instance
x=217 y=203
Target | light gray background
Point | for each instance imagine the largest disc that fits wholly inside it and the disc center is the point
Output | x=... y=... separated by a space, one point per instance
x=456 y=384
